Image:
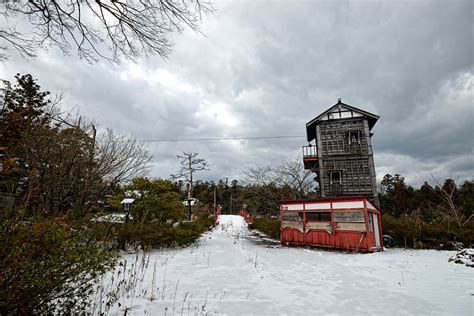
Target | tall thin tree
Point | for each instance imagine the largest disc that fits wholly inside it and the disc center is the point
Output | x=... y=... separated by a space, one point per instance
x=190 y=163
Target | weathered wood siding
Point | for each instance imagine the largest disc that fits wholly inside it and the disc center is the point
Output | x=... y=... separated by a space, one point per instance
x=350 y=157
x=335 y=137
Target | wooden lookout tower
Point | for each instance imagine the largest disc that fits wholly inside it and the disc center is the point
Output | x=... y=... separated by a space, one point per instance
x=341 y=156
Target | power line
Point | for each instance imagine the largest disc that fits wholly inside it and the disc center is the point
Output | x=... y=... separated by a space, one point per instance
x=217 y=139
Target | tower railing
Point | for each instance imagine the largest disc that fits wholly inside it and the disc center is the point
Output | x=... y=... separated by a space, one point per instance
x=310 y=152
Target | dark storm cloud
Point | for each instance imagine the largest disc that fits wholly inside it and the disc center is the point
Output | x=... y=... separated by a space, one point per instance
x=267 y=68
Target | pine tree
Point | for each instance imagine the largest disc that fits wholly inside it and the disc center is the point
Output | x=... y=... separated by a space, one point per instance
x=23 y=113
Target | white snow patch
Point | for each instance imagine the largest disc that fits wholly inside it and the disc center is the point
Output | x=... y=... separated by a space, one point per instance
x=112 y=218
x=464 y=256
x=226 y=273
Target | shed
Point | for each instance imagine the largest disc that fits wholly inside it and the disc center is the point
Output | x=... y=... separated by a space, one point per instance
x=349 y=223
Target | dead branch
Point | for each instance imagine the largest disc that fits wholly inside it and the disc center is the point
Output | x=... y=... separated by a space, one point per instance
x=126 y=28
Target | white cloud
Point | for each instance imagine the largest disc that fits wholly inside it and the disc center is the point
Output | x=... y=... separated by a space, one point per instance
x=416 y=170
x=155 y=76
x=217 y=113
x=266 y=68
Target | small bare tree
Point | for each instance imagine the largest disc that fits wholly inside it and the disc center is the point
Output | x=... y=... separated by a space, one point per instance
x=291 y=172
x=262 y=195
x=449 y=207
x=126 y=27
x=190 y=164
x=264 y=176
x=120 y=158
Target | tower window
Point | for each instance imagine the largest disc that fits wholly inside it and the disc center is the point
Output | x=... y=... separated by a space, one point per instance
x=335 y=177
x=354 y=137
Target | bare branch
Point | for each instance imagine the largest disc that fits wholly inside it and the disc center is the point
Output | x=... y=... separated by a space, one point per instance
x=292 y=173
x=449 y=207
x=11 y=37
x=127 y=28
x=264 y=176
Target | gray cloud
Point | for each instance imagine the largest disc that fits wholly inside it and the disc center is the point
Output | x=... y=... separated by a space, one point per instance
x=266 y=68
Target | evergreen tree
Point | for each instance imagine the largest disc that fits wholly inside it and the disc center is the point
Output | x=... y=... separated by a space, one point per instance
x=22 y=116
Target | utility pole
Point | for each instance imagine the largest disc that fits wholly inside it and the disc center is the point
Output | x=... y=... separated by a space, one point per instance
x=190 y=187
x=215 y=198
x=190 y=168
x=190 y=209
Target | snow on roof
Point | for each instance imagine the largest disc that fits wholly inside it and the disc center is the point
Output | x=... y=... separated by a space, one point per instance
x=127 y=201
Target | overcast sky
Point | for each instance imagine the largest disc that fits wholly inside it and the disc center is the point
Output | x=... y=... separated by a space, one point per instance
x=267 y=68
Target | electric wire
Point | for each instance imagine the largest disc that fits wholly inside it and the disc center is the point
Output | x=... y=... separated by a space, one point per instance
x=218 y=139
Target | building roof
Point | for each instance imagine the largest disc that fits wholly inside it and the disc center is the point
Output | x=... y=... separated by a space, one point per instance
x=348 y=198
x=338 y=108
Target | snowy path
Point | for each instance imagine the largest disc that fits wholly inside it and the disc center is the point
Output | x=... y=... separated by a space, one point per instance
x=229 y=274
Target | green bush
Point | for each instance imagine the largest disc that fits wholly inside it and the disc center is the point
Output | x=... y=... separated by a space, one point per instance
x=148 y=236
x=270 y=227
x=47 y=267
x=421 y=234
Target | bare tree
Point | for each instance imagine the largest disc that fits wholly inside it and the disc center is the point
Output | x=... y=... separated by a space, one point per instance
x=120 y=158
x=190 y=164
x=129 y=28
x=73 y=166
x=269 y=185
x=264 y=176
x=449 y=207
x=54 y=161
x=291 y=172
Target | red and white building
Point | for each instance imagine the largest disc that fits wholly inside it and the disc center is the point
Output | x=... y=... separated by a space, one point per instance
x=346 y=214
x=349 y=223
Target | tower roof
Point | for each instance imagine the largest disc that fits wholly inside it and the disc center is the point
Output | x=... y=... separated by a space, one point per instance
x=336 y=112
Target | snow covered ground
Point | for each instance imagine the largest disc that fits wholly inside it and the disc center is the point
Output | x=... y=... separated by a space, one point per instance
x=232 y=272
